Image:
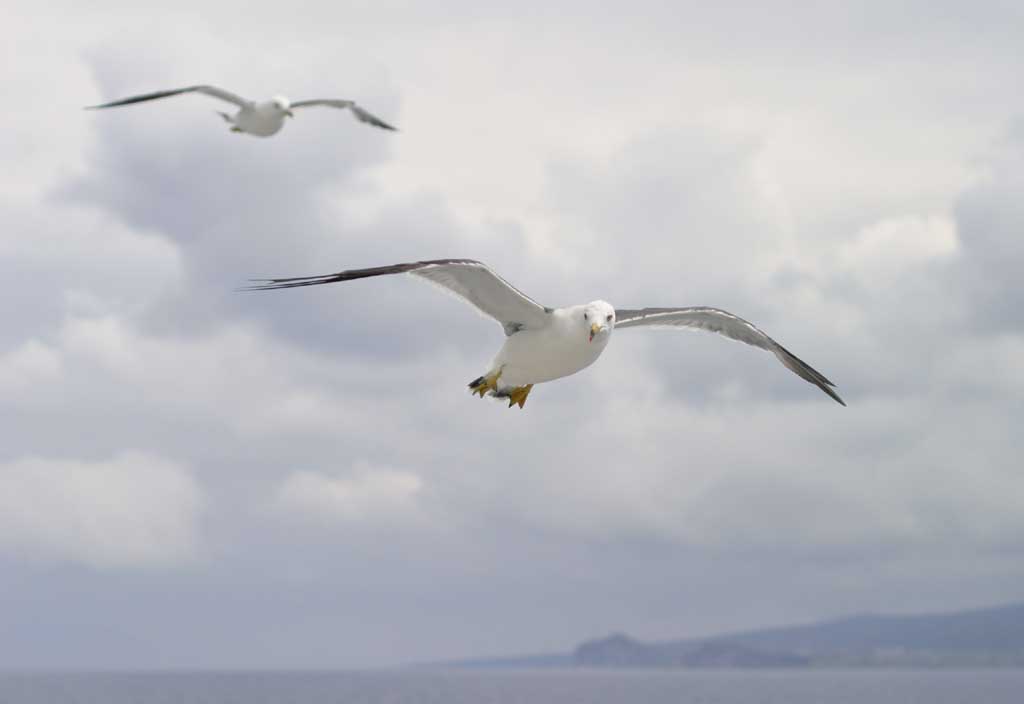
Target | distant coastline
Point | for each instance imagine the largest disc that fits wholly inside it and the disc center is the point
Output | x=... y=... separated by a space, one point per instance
x=978 y=638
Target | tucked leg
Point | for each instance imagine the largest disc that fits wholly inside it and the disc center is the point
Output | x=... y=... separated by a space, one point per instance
x=482 y=384
x=518 y=395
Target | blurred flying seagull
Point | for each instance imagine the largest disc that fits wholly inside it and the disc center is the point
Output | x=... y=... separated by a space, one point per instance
x=259 y=119
x=543 y=344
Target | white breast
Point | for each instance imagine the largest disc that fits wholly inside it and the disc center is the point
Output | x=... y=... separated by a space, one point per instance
x=535 y=356
x=262 y=120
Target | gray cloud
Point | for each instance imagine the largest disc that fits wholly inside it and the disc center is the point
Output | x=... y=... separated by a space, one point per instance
x=989 y=218
x=132 y=510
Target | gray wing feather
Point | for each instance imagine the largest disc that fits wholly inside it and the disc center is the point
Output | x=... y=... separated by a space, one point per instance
x=212 y=91
x=733 y=327
x=359 y=113
x=470 y=280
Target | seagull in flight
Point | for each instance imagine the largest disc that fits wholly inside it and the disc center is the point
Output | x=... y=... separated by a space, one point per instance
x=542 y=343
x=258 y=119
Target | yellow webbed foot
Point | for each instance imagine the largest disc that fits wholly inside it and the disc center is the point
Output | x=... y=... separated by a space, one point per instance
x=481 y=385
x=518 y=395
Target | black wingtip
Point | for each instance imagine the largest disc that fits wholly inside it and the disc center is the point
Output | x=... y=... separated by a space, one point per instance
x=113 y=104
x=295 y=282
x=261 y=285
x=826 y=386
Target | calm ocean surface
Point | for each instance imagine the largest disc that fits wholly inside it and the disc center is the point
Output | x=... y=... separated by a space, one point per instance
x=522 y=687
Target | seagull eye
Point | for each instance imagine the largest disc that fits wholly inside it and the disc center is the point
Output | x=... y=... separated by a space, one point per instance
x=586 y=317
x=609 y=318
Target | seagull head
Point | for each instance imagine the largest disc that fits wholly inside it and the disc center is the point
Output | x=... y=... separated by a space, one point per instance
x=598 y=319
x=283 y=105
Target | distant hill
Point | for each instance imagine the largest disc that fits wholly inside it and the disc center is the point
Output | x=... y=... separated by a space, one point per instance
x=990 y=637
x=622 y=651
x=995 y=631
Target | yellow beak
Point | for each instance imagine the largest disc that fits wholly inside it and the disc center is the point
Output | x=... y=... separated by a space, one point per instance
x=594 y=329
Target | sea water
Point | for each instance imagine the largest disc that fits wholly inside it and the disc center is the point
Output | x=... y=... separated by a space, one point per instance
x=520 y=687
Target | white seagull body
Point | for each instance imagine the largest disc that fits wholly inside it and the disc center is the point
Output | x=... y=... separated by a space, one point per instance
x=258 y=119
x=543 y=344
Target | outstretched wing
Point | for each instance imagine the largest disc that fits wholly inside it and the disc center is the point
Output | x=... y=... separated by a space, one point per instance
x=360 y=114
x=470 y=280
x=212 y=91
x=733 y=327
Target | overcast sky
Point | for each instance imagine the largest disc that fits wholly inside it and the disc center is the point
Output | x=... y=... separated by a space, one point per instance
x=196 y=477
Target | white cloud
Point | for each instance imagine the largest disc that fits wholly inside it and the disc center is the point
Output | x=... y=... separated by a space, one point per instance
x=27 y=365
x=371 y=495
x=66 y=259
x=133 y=510
x=887 y=247
x=236 y=377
